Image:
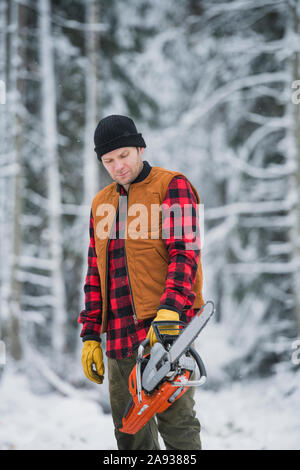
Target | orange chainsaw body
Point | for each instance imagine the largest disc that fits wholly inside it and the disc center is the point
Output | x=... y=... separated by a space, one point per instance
x=145 y=404
x=158 y=401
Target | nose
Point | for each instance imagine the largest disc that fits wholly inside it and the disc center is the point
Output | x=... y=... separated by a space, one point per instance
x=119 y=167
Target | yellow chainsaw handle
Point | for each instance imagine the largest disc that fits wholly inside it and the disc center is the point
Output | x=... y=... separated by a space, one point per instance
x=159 y=326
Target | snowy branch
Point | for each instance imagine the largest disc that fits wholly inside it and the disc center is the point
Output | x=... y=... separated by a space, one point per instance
x=217 y=234
x=200 y=110
x=283 y=222
x=247 y=208
x=263 y=268
x=67 y=209
x=38 y=301
x=66 y=23
x=60 y=385
x=220 y=8
x=9 y=170
x=36 y=279
x=34 y=262
x=276 y=171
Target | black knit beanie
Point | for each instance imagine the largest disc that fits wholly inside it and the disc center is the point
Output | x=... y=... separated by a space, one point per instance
x=114 y=132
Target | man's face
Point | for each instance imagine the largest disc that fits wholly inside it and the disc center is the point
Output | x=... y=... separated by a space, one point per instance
x=124 y=164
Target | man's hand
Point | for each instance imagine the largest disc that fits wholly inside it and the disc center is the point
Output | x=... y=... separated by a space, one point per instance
x=92 y=354
x=164 y=315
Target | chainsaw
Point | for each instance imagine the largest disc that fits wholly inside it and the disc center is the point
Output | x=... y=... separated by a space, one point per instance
x=161 y=377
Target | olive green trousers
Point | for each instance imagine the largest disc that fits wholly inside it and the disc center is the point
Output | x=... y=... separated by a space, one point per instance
x=178 y=425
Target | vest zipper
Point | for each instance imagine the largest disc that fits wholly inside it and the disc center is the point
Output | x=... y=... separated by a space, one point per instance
x=126 y=265
x=133 y=308
x=106 y=282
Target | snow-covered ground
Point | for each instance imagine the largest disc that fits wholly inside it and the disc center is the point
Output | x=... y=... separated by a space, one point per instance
x=246 y=414
x=255 y=415
x=50 y=421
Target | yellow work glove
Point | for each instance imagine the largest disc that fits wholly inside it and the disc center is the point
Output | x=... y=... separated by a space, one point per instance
x=92 y=354
x=164 y=315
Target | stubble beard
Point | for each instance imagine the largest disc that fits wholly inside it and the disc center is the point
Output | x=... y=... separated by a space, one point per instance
x=133 y=177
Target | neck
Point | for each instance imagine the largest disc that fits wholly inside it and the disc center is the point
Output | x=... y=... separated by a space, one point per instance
x=126 y=186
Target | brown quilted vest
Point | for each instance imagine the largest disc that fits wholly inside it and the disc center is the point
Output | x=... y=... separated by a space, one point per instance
x=146 y=256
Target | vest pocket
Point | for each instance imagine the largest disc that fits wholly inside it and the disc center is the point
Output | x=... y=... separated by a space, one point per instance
x=150 y=271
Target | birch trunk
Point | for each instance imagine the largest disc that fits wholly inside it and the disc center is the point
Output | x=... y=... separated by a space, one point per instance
x=53 y=176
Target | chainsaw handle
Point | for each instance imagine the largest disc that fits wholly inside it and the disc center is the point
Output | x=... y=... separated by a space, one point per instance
x=141 y=348
x=199 y=362
x=139 y=367
x=166 y=337
x=201 y=367
x=184 y=382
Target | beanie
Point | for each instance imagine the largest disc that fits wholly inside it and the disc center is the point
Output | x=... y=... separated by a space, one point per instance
x=116 y=131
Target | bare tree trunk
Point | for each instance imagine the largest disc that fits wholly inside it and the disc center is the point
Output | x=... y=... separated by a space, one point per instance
x=16 y=124
x=294 y=27
x=3 y=163
x=92 y=104
x=59 y=318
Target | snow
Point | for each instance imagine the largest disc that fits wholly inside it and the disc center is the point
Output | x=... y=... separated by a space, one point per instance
x=50 y=421
x=247 y=414
x=255 y=415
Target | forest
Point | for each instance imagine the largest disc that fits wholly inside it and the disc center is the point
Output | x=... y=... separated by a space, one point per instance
x=214 y=87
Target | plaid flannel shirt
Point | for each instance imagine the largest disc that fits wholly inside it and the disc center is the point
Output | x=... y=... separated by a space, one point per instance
x=123 y=334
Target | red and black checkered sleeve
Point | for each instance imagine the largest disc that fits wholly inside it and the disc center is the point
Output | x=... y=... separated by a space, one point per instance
x=90 y=317
x=181 y=235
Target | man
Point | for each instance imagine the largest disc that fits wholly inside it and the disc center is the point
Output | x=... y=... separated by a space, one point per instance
x=139 y=273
